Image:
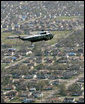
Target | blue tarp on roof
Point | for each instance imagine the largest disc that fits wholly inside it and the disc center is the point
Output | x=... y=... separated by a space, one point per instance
x=11 y=49
x=14 y=58
x=71 y=54
x=27 y=100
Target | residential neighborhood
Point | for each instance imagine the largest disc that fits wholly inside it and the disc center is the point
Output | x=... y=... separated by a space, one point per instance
x=47 y=71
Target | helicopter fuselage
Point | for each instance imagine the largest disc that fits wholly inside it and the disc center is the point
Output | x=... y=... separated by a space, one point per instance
x=36 y=38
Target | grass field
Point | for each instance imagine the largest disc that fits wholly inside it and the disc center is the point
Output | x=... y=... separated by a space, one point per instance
x=10 y=42
x=16 y=42
x=57 y=36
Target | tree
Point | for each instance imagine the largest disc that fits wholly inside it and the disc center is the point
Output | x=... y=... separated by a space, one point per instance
x=5 y=80
x=41 y=84
x=23 y=69
x=62 y=90
x=2 y=100
x=74 y=88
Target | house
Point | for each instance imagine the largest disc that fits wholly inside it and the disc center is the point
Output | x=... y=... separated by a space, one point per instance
x=57 y=45
x=34 y=76
x=81 y=57
x=71 y=54
x=16 y=75
x=68 y=74
x=69 y=100
x=22 y=76
x=37 y=94
x=48 y=88
x=11 y=49
x=28 y=100
x=52 y=100
x=79 y=93
x=15 y=81
x=41 y=76
x=24 y=94
x=14 y=58
x=32 y=89
x=81 y=80
x=29 y=53
x=56 y=82
x=8 y=87
x=62 y=61
x=7 y=60
x=48 y=61
x=53 y=77
x=28 y=77
x=81 y=100
x=10 y=93
x=80 y=50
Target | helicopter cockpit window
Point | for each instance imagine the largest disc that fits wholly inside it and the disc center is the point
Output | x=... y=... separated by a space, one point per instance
x=43 y=33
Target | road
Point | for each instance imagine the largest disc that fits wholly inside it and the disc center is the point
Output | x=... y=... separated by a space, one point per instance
x=71 y=81
x=16 y=63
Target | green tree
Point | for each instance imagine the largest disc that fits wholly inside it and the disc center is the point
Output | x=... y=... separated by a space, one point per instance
x=74 y=88
x=62 y=90
x=41 y=84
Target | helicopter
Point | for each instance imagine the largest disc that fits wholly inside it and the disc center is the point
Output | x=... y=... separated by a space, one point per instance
x=38 y=37
x=43 y=35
